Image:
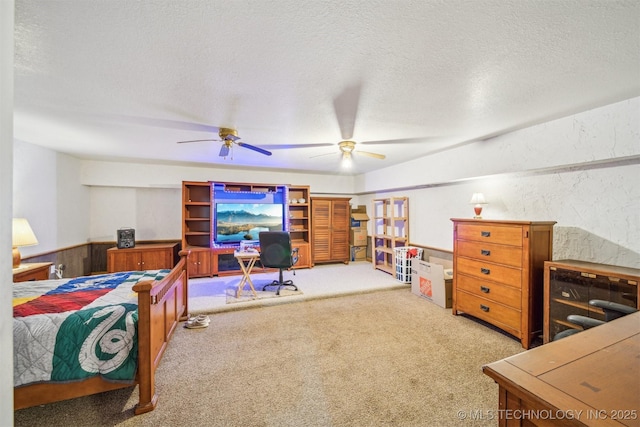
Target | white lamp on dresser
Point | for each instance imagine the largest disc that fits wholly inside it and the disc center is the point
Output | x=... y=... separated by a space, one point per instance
x=22 y=236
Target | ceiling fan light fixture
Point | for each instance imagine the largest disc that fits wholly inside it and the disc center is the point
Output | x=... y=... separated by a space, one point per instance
x=347 y=146
x=346 y=159
x=228 y=134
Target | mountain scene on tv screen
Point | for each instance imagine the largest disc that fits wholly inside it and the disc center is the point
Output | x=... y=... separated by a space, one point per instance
x=245 y=223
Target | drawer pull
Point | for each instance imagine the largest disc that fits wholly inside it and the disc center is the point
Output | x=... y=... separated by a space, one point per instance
x=485 y=233
x=485 y=271
x=485 y=252
x=484 y=308
x=485 y=289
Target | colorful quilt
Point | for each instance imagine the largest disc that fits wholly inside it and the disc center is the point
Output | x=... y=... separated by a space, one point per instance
x=72 y=329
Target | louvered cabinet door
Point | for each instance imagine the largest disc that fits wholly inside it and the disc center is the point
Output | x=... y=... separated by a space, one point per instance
x=320 y=226
x=340 y=230
x=330 y=229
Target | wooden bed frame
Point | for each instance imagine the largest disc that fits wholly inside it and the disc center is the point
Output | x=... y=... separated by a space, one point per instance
x=161 y=305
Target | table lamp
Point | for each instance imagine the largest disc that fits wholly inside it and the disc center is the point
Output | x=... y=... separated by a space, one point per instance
x=22 y=236
x=477 y=200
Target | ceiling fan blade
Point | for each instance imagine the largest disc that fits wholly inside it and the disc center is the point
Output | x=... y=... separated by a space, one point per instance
x=155 y=122
x=324 y=154
x=346 y=109
x=224 y=150
x=290 y=146
x=198 y=140
x=400 y=141
x=254 y=148
x=368 y=154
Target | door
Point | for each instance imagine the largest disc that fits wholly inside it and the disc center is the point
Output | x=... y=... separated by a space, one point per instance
x=303 y=255
x=321 y=229
x=199 y=263
x=156 y=259
x=340 y=230
x=125 y=260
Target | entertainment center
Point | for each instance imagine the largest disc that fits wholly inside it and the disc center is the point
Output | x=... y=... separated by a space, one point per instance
x=217 y=216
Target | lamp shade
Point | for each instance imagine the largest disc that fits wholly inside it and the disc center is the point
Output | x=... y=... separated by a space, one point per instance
x=22 y=233
x=478 y=199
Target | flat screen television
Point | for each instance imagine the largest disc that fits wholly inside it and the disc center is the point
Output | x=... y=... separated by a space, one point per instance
x=243 y=221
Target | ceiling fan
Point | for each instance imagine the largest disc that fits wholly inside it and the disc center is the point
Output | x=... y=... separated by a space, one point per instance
x=346 y=108
x=229 y=137
x=348 y=147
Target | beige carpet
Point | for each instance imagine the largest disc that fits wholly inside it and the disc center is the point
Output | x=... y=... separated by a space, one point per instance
x=247 y=295
x=385 y=358
x=210 y=294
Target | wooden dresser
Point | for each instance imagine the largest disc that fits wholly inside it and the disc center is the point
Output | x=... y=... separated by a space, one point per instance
x=498 y=273
x=31 y=271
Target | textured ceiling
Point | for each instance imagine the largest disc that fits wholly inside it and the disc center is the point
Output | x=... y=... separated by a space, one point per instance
x=124 y=79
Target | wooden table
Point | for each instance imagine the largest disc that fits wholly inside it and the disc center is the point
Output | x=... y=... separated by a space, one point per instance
x=588 y=379
x=246 y=259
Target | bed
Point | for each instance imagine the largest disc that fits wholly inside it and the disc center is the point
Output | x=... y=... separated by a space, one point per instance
x=86 y=335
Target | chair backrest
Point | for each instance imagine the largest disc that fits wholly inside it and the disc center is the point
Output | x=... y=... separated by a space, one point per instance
x=276 y=250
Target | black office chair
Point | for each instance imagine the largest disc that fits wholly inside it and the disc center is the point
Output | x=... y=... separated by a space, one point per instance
x=276 y=252
x=612 y=310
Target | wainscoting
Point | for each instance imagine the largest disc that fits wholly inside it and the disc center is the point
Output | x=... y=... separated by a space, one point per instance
x=427 y=251
x=84 y=259
x=91 y=258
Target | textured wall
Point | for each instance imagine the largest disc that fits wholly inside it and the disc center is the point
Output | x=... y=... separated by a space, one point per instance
x=581 y=171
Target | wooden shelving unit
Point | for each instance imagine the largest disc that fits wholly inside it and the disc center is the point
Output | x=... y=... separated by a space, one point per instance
x=254 y=188
x=198 y=228
x=196 y=215
x=300 y=223
x=390 y=230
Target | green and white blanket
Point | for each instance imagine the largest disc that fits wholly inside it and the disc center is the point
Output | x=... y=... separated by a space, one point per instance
x=72 y=329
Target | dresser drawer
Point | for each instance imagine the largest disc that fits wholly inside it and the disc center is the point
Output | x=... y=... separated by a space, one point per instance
x=500 y=254
x=488 y=271
x=503 y=294
x=506 y=318
x=490 y=233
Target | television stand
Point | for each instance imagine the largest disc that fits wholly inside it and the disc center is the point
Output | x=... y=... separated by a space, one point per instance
x=200 y=202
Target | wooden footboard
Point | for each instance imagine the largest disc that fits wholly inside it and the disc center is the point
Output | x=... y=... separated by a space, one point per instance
x=161 y=306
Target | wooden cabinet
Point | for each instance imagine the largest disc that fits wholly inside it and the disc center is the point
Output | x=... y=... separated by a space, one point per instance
x=200 y=263
x=498 y=273
x=390 y=230
x=27 y=272
x=300 y=223
x=330 y=229
x=570 y=284
x=152 y=256
x=304 y=255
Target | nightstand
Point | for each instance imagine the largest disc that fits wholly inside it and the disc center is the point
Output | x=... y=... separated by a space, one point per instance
x=31 y=271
